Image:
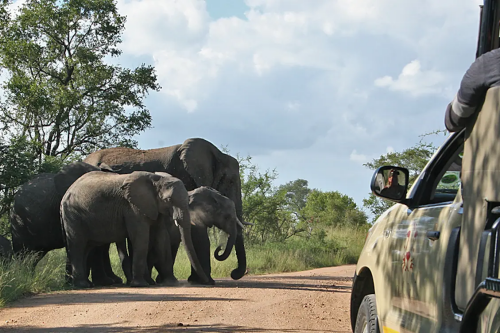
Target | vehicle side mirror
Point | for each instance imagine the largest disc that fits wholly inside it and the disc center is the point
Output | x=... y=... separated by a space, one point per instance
x=391 y=183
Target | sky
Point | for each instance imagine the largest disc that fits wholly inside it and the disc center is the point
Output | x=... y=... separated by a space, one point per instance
x=312 y=89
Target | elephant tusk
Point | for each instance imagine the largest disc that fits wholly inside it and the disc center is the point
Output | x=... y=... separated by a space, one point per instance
x=176 y=223
x=242 y=224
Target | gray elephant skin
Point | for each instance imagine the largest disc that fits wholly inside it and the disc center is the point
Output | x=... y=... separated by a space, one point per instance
x=102 y=208
x=35 y=218
x=196 y=162
x=207 y=208
x=5 y=248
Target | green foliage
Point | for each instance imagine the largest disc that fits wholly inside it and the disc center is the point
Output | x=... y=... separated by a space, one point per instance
x=61 y=98
x=296 y=193
x=264 y=205
x=332 y=209
x=284 y=212
x=16 y=167
x=60 y=92
x=376 y=205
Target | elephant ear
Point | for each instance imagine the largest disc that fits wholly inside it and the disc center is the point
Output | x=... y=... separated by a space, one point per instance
x=198 y=157
x=139 y=191
x=69 y=174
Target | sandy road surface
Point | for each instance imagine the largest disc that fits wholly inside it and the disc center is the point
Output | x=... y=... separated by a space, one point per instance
x=310 y=301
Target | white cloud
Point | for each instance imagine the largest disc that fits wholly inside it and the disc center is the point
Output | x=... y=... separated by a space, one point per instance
x=358 y=158
x=159 y=25
x=415 y=81
x=293 y=106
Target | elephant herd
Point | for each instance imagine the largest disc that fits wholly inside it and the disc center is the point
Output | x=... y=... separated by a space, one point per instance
x=145 y=201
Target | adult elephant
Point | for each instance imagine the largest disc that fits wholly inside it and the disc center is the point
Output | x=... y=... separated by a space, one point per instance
x=196 y=162
x=102 y=208
x=207 y=208
x=35 y=218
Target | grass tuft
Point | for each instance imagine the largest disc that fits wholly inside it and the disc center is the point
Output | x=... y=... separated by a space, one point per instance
x=18 y=278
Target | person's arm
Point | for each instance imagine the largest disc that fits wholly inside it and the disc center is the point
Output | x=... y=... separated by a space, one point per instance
x=482 y=73
x=457 y=115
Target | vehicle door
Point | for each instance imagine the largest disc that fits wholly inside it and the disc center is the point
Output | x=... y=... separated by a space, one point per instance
x=420 y=240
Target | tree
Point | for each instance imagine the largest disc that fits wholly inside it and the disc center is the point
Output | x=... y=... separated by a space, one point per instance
x=61 y=98
x=15 y=168
x=264 y=205
x=296 y=193
x=333 y=209
x=61 y=94
x=414 y=159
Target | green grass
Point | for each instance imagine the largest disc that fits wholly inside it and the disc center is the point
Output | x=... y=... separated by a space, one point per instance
x=18 y=279
x=328 y=247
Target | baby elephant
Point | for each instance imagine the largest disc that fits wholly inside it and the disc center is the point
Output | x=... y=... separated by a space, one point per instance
x=207 y=208
x=102 y=208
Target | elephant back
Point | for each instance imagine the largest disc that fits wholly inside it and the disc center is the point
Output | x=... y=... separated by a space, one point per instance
x=70 y=173
x=127 y=160
x=34 y=218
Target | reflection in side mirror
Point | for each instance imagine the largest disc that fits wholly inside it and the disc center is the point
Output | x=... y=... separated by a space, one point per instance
x=390 y=182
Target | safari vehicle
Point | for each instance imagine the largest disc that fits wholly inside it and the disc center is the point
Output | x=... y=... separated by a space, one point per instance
x=430 y=263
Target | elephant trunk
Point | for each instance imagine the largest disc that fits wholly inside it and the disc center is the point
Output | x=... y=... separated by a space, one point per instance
x=239 y=244
x=229 y=246
x=184 y=222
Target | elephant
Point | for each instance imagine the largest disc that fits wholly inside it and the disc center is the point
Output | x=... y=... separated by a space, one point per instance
x=196 y=162
x=102 y=208
x=207 y=208
x=5 y=248
x=35 y=218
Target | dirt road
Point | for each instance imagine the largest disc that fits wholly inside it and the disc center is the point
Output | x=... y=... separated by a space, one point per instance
x=310 y=301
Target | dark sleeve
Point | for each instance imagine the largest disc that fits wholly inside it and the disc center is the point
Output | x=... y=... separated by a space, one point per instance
x=475 y=81
x=481 y=75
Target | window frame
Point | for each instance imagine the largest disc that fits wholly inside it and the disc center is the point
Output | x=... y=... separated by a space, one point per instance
x=421 y=193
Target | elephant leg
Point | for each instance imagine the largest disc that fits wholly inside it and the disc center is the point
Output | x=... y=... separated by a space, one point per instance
x=151 y=262
x=201 y=243
x=163 y=255
x=77 y=250
x=121 y=247
x=138 y=231
x=98 y=261
x=126 y=260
